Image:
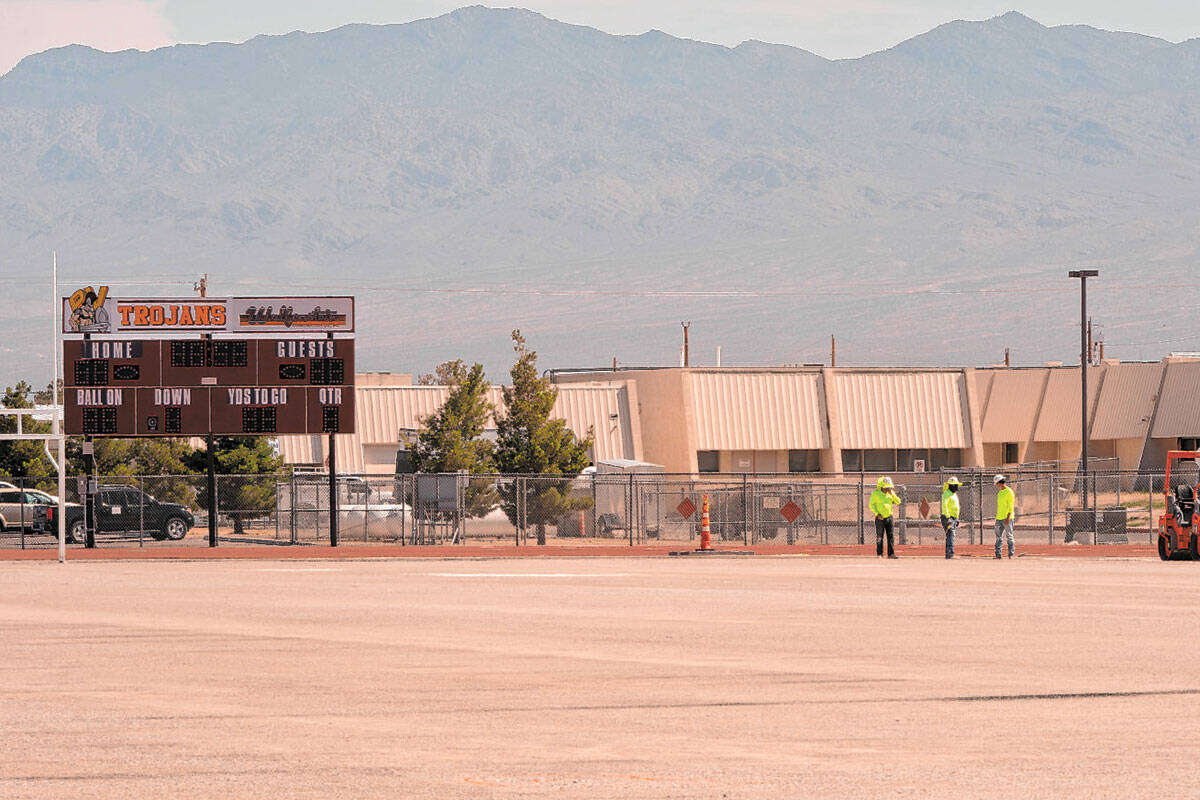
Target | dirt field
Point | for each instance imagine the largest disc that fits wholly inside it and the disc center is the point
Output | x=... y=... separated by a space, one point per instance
x=762 y=677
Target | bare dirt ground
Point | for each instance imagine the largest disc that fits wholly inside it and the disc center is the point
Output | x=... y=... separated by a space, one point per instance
x=758 y=677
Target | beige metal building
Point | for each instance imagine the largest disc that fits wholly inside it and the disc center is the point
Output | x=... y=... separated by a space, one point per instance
x=817 y=419
x=803 y=419
x=389 y=411
x=1137 y=411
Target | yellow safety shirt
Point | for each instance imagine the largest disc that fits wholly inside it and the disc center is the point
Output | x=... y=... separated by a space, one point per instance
x=950 y=503
x=1005 y=503
x=882 y=501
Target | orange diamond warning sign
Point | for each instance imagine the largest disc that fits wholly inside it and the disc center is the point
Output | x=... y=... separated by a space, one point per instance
x=686 y=508
x=924 y=508
x=790 y=511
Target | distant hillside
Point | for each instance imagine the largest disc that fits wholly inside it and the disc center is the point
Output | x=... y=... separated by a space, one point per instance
x=497 y=149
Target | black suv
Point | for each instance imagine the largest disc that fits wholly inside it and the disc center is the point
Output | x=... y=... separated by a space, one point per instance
x=124 y=509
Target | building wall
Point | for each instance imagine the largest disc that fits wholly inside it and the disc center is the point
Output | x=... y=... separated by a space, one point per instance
x=664 y=411
x=380 y=459
x=974 y=412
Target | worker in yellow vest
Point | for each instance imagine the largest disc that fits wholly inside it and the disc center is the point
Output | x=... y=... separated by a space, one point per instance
x=883 y=500
x=949 y=512
x=1006 y=506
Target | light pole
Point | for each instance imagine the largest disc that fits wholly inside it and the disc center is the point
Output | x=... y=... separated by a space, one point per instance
x=1083 y=275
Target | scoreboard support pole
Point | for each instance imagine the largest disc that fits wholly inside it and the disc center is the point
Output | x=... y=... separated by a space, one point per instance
x=89 y=463
x=212 y=490
x=333 y=498
x=89 y=494
x=211 y=459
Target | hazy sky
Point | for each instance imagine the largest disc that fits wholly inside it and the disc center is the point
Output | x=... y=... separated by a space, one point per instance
x=832 y=28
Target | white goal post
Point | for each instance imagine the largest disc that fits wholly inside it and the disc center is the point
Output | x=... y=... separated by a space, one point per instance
x=60 y=463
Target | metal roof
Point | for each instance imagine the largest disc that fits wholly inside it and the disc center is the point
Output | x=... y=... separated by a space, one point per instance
x=382 y=412
x=310 y=449
x=896 y=409
x=759 y=411
x=1012 y=404
x=1059 y=420
x=1178 y=408
x=1126 y=400
x=605 y=408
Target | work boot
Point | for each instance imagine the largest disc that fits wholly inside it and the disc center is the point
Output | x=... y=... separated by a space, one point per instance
x=892 y=555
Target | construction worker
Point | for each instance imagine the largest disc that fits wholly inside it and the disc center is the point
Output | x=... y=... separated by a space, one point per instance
x=1006 y=504
x=883 y=500
x=949 y=512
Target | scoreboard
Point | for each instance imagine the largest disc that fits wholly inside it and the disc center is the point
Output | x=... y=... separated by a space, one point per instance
x=191 y=387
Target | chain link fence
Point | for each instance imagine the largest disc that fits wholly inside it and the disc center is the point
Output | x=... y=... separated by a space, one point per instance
x=1053 y=507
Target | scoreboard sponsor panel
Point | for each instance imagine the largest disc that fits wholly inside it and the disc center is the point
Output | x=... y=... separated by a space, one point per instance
x=99 y=313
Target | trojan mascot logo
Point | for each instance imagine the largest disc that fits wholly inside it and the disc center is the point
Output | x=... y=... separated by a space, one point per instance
x=88 y=314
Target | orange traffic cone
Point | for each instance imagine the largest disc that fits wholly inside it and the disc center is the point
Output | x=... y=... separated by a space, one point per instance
x=704 y=531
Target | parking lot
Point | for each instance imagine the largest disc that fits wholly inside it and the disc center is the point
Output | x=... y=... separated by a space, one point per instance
x=759 y=677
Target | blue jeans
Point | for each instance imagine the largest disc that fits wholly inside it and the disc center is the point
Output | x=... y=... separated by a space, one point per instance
x=1003 y=527
x=950 y=526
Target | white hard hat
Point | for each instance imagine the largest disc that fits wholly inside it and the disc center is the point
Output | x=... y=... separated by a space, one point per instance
x=998 y=479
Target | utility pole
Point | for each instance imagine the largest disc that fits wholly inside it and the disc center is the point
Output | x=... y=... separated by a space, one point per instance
x=1084 y=353
x=1007 y=363
x=685 y=325
x=832 y=351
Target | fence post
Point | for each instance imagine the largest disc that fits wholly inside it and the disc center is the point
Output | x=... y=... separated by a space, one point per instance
x=1052 y=493
x=292 y=509
x=630 y=511
x=825 y=517
x=366 y=509
x=745 y=509
x=1150 y=508
x=979 y=503
x=860 y=508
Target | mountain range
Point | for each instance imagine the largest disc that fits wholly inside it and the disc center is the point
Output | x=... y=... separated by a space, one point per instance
x=494 y=169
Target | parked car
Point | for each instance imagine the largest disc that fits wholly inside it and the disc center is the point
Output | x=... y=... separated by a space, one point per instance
x=124 y=509
x=21 y=508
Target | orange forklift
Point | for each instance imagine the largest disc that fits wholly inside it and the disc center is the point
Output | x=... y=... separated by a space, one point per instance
x=1178 y=526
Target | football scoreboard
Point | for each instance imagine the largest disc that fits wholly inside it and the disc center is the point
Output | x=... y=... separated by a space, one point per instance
x=253 y=383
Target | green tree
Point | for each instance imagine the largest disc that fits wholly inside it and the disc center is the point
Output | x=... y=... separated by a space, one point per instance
x=530 y=442
x=452 y=439
x=160 y=464
x=45 y=396
x=249 y=492
x=445 y=374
